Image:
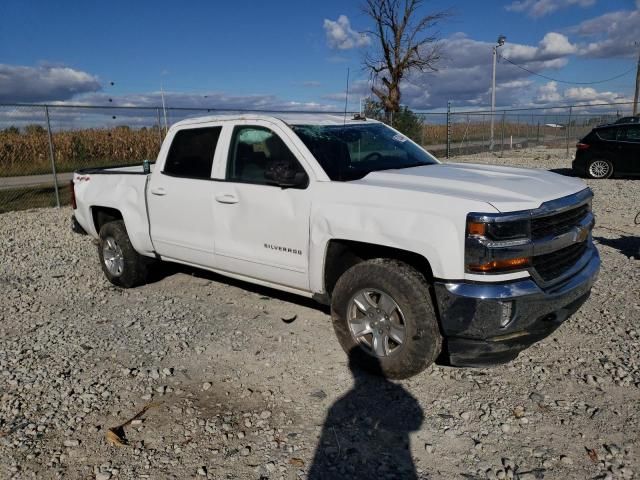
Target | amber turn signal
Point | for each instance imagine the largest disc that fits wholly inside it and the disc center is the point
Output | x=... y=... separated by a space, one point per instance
x=476 y=228
x=501 y=265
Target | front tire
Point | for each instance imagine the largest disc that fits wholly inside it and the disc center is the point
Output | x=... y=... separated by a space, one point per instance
x=384 y=318
x=121 y=264
x=599 y=169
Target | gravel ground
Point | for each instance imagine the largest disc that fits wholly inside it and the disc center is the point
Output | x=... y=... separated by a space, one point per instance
x=236 y=392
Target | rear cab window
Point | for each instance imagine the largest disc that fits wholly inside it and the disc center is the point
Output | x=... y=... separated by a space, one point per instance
x=191 y=153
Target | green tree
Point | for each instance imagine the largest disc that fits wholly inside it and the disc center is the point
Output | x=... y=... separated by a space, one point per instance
x=34 y=129
x=404 y=120
x=12 y=129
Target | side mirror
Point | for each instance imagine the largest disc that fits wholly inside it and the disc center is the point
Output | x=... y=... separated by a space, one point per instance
x=285 y=175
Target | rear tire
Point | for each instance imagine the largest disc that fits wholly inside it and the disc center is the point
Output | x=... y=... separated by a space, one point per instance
x=384 y=318
x=599 y=168
x=121 y=264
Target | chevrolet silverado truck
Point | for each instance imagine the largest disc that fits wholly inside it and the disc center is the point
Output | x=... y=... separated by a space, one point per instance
x=417 y=259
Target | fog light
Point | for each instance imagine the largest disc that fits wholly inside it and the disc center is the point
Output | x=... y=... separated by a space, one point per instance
x=505 y=316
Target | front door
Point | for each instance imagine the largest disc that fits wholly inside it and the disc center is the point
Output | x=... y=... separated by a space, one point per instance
x=262 y=230
x=181 y=197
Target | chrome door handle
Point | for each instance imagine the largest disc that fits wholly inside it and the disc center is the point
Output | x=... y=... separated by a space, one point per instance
x=158 y=191
x=226 y=198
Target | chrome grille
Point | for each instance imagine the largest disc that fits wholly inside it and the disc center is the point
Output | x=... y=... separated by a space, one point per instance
x=554 y=264
x=558 y=223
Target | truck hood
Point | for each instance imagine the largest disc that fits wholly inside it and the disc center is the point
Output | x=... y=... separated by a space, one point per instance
x=507 y=189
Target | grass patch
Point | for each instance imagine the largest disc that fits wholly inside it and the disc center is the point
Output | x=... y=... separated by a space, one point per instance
x=33 y=197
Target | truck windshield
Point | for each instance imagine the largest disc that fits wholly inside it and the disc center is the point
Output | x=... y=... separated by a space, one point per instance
x=350 y=152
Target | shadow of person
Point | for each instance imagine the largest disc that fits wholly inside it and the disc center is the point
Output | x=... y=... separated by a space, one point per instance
x=627 y=245
x=366 y=432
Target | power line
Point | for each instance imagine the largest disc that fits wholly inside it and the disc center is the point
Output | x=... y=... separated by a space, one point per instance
x=564 y=81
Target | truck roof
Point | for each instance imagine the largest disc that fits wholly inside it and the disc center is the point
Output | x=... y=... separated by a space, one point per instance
x=289 y=118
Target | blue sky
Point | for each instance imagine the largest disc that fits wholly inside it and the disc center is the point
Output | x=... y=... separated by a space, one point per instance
x=292 y=54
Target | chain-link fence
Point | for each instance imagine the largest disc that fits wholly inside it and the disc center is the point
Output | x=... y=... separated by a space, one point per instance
x=40 y=145
x=486 y=134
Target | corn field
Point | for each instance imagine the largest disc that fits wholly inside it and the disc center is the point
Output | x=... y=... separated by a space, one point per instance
x=27 y=153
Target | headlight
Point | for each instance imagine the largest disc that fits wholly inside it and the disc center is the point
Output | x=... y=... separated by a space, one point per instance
x=500 y=230
x=497 y=245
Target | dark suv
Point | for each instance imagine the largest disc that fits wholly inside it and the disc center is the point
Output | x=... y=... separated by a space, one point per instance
x=609 y=150
x=634 y=119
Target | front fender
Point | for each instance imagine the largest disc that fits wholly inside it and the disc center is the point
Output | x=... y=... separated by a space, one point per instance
x=438 y=238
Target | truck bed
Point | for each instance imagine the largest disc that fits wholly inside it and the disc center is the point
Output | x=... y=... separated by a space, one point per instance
x=118 y=188
x=115 y=169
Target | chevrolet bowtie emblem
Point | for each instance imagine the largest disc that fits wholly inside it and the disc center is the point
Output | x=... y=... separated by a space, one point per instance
x=581 y=234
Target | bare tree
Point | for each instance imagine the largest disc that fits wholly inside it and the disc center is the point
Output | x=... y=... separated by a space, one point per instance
x=407 y=42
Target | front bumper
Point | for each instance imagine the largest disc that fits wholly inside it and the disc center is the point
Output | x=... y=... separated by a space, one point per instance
x=485 y=323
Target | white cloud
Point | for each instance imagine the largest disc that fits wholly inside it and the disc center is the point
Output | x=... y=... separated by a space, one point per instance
x=540 y=8
x=43 y=83
x=589 y=94
x=610 y=35
x=550 y=94
x=340 y=35
x=553 y=46
x=204 y=100
x=179 y=106
x=464 y=75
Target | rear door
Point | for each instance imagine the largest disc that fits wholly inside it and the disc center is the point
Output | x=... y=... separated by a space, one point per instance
x=607 y=147
x=180 y=198
x=262 y=230
x=629 y=148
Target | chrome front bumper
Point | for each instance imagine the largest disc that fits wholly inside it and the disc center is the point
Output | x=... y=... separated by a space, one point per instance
x=488 y=323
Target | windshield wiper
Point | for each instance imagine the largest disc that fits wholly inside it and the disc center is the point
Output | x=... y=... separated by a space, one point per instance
x=410 y=165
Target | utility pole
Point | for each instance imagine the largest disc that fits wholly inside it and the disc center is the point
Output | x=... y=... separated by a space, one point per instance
x=635 y=97
x=501 y=40
x=164 y=110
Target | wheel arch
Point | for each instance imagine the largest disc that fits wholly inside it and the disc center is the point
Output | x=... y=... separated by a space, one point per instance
x=101 y=215
x=341 y=254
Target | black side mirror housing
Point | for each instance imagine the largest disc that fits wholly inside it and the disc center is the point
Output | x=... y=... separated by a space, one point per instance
x=285 y=175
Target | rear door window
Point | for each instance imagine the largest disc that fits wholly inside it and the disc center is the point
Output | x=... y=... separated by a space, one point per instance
x=191 y=153
x=607 y=133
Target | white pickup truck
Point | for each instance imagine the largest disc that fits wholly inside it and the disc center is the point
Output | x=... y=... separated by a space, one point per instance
x=417 y=259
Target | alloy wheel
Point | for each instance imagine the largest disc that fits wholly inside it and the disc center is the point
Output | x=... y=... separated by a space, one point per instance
x=376 y=322
x=112 y=255
x=599 y=169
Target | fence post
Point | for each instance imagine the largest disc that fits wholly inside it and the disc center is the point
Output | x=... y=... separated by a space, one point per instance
x=504 y=114
x=448 y=129
x=159 y=125
x=538 y=134
x=568 y=129
x=531 y=129
x=53 y=161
